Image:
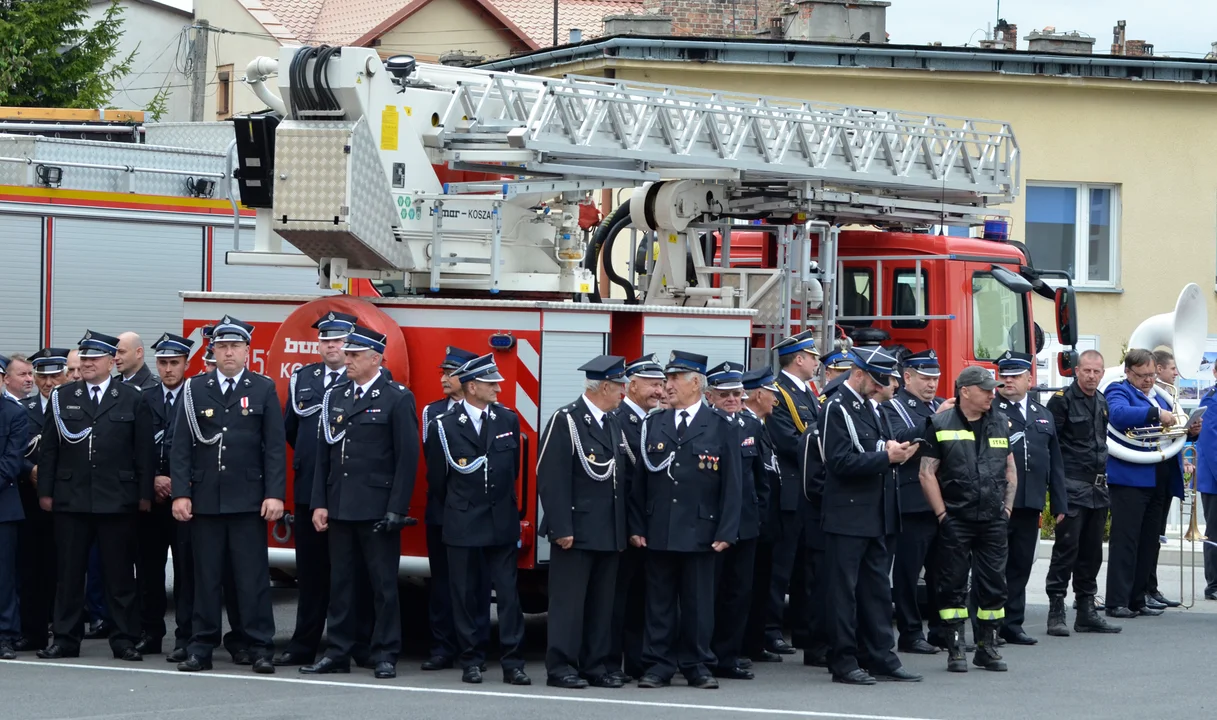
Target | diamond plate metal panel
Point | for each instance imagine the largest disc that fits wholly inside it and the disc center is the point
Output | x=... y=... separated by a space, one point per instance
x=209 y=136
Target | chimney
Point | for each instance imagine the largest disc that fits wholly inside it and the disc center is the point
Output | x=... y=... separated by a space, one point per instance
x=576 y=36
x=840 y=21
x=1009 y=34
x=1049 y=40
x=1121 y=45
x=1212 y=52
x=637 y=25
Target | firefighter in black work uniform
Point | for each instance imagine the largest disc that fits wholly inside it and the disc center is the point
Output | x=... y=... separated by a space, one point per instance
x=969 y=478
x=1080 y=414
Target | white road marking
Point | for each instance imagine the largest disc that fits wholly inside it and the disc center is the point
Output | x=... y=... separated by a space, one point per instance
x=472 y=693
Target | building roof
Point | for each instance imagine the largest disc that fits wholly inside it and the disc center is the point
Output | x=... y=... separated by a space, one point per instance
x=536 y=17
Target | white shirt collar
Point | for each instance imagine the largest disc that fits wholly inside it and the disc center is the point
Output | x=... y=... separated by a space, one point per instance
x=363 y=389
x=341 y=372
x=474 y=413
x=850 y=388
x=101 y=387
x=236 y=380
x=802 y=385
x=165 y=391
x=597 y=413
x=44 y=400
x=635 y=407
x=691 y=410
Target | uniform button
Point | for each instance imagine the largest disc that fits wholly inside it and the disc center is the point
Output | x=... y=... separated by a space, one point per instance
x=223 y=468
x=223 y=429
x=673 y=499
x=677 y=464
x=226 y=410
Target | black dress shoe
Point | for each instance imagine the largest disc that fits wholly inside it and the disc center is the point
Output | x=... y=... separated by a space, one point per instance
x=288 y=658
x=1210 y=596
x=128 y=654
x=57 y=652
x=1018 y=637
x=178 y=655
x=326 y=666
x=855 y=677
x=744 y=662
x=734 y=673
x=437 y=662
x=27 y=645
x=148 y=646
x=472 y=675
x=516 y=676
x=1149 y=611
x=1120 y=612
x=781 y=647
x=652 y=681
x=194 y=663
x=1152 y=602
x=898 y=675
x=264 y=666
x=99 y=630
x=766 y=656
x=7 y=651
x=607 y=680
x=242 y=657
x=814 y=659
x=385 y=670
x=704 y=682
x=621 y=676
x=1161 y=599
x=568 y=682
x=918 y=647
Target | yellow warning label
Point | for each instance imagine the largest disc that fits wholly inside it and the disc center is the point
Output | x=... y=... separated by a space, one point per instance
x=388 y=128
x=585 y=287
x=673 y=238
x=409 y=111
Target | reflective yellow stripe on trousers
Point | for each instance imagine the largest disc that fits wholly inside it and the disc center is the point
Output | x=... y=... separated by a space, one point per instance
x=991 y=614
x=942 y=435
x=953 y=613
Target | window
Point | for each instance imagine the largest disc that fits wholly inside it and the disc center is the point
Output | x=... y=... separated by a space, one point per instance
x=223 y=92
x=999 y=319
x=1074 y=228
x=856 y=295
x=904 y=298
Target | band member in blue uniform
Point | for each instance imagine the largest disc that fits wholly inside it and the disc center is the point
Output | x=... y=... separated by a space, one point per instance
x=14 y=436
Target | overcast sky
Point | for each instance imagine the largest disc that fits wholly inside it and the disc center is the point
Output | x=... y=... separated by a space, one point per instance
x=1185 y=28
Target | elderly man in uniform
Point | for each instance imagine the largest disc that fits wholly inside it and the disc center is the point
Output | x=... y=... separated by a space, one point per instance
x=473 y=458
x=684 y=508
x=970 y=478
x=229 y=472
x=361 y=497
x=643 y=395
x=861 y=519
x=14 y=436
x=129 y=362
x=584 y=502
x=439 y=595
x=1079 y=413
x=95 y=471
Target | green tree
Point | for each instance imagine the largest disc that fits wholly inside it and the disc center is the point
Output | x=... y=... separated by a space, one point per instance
x=50 y=56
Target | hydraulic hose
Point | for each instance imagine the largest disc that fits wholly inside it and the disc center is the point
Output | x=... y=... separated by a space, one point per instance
x=604 y=238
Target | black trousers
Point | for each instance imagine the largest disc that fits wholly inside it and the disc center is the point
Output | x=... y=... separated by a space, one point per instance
x=733 y=580
x=1209 y=503
x=858 y=599
x=444 y=640
x=811 y=633
x=353 y=545
x=916 y=545
x=35 y=569
x=680 y=614
x=115 y=535
x=156 y=533
x=1022 y=541
x=1077 y=551
x=1164 y=488
x=629 y=613
x=183 y=597
x=786 y=553
x=237 y=541
x=1135 y=514
x=312 y=583
x=980 y=547
x=468 y=601
x=10 y=617
x=581 y=595
x=758 y=612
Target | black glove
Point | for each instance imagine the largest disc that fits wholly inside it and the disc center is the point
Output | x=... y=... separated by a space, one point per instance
x=393 y=522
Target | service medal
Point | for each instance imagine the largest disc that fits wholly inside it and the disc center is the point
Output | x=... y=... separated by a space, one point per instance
x=208 y=412
x=462 y=462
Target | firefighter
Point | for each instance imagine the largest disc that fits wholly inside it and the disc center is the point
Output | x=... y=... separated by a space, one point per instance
x=95 y=485
x=644 y=391
x=473 y=458
x=361 y=497
x=157 y=528
x=582 y=492
x=37 y=539
x=14 y=436
x=735 y=566
x=797 y=410
x=1041 y=471
x=970 y=479
x=911 y=409
x=301 y=414
x=684 y=508
x=229 y=473
x=73 y=365
x=861 y=519
x=439 y=595
x=129 y=362
x=836 y=364
x=18 y=377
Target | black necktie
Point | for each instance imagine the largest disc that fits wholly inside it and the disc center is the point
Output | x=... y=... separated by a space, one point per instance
x=169 y=404
x=358 y=393
x=482 y=430
x=331 y=377
x=682 y=424
x=96 y=395
x=228 y=383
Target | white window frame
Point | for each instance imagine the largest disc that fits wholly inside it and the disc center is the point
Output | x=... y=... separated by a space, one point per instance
x=1081 y=240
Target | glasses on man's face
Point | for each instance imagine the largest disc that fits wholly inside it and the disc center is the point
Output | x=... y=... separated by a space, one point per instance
x=1144 y=375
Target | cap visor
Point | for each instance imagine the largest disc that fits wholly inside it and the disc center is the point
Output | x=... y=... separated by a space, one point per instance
x=490 y=378
x=936 y=372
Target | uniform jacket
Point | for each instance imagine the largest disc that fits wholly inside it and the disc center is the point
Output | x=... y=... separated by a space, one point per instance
x=972 y=472
x=758 y=474
x=576 y=504
x=860 y=493
x=371 y=470
x=143 y=379
x=1083 y=438
x=785 y=431
x=1130 y=408
x=162 y=425
x=1037 y=455
x=695 y=501
x=301 y=430
x=908 y=417
x=33 y=409
x=481 y=508
x=109 y=472
x=434 y=514
x=1206 y=446
x=832 y=387
x=14 y=437
x=248 y=464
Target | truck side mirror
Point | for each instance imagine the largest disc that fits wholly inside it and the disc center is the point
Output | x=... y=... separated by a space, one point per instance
x=1066 y=361
x=1011 y=280
x=1066 y=316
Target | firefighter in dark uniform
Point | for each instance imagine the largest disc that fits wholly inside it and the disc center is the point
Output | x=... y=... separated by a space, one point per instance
x=473 y=459
x=643 y=394
x=970 y=479
x=1080 y=415
x=229 y=470
x=583 y=496
x=836 y=364
x=735 y=566
x=798 y=408
x=861 y=519
x=911 y=409
x=1041 y=471
x=301 y=414
x=37 y=541
x=14 y=436
x=95 y=470
x=685 y=509
x=361 y=497
x=439 y=593
x=129 y=362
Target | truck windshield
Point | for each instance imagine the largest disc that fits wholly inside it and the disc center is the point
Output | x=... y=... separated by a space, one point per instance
x=999 y=318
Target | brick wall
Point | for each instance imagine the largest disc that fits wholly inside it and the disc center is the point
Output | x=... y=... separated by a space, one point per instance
x=716 y=18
